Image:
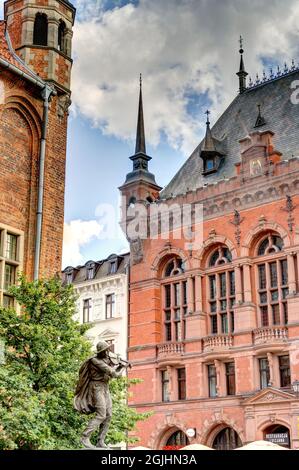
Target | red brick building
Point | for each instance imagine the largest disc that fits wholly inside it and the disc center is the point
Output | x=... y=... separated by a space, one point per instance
x=35 y=66
x=214 y=326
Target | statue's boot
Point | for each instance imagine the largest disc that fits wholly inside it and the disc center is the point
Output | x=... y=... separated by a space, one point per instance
x=102 y=434
x=86 y=442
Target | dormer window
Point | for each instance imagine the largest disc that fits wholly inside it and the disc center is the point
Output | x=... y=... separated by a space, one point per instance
x=113 y=267
x=90 y=270
x=211 y=151
x=69 y=275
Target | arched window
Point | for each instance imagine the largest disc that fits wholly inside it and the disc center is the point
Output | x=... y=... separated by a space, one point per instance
x=174 y=300
x=40 y=32
x=271 y=244
x=272 y=278
x=221 y=292
x=62 y=36
x=132 y=201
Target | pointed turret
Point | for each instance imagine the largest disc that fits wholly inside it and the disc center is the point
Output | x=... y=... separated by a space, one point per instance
x=242 y=74
x=211 y=152
x=140 y=184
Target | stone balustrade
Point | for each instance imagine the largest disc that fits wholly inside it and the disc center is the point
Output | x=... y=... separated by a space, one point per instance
x=170 y=349
x=217 y=342
x=270 y=334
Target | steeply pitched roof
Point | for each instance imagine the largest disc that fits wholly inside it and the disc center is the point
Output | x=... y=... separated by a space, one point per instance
x=9 y=55
x=237 y=121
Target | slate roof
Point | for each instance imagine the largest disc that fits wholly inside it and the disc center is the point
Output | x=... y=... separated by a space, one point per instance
x=102 y=268
x=7 y=53
x=237 y=121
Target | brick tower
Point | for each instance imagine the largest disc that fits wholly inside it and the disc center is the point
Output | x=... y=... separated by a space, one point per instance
x=35 y=65
x=41 y=34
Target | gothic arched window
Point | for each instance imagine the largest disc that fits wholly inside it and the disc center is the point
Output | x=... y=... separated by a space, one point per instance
x=40 y=32
x=221 y=291
x=62 y=36
x=272 y=276
x=174 y=300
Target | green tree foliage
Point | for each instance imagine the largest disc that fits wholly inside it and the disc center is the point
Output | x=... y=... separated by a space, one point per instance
x=44 y=349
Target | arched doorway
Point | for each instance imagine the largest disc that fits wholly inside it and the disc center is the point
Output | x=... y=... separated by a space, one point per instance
x=227 y=439
x=278 y=434
x=176 y=441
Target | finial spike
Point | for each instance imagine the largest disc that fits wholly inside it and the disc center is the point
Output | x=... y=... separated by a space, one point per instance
x=242 y=74
x=208 y=114
x=140 y=135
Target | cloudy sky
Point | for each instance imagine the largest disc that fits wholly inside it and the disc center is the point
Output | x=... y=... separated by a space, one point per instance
x=187 y=51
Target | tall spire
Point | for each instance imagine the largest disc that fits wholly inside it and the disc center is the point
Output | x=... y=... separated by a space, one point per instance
x=140 y=135
x=242 y=74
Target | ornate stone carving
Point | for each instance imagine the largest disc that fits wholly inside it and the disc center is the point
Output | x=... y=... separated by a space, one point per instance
x=63 y=104
x=289 y=208
x=237 y=220
x=136 y=250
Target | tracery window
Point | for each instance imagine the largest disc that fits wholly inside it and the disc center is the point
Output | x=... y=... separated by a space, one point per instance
x=221 y=292
x=174 y=300
x=272 y=278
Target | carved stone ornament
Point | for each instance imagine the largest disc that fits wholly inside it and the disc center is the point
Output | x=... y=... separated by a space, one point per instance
x=63 y=104
x=136 y=250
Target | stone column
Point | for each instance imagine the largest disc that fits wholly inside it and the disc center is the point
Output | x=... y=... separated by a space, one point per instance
x=271 y=368
x=247 y=283
x=190 y=294
x=291 y=274
x=198 y=293
x=238 y=281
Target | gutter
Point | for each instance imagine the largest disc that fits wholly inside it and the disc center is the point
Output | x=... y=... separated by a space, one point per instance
x=46 y=92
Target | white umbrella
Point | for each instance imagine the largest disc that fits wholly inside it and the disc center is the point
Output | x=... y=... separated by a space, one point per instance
x=196 y=447
x=261 y=445
x=140 y=448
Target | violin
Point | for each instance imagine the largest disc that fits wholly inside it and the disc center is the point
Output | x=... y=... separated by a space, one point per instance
x=116 y=360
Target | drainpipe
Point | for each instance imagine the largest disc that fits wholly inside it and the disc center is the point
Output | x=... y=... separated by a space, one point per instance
x=46 y=94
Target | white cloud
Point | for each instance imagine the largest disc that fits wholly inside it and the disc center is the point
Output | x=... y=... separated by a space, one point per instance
x=77 y=234
x=181 y=47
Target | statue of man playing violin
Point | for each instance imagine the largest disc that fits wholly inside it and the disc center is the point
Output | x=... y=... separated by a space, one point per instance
x=92 y=393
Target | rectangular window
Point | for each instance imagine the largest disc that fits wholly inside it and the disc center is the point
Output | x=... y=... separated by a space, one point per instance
x=177 y=295
x=275 y=314
x=86 y=310
x=212 y=287
x=284 y=272
x=214 y=327
x=185 y=298
x=264 y=372
x=273 y=274
x=262 y=276
x=113 y=267
x=232 y=320
x=264 y=315
x=9 y=276
x=168 y=335
x=285 y=372
x=224 y=323
x=90 y=274
x=212 y=377
x=182 y=384
x=165 y=385
x=167 y=296
x=110 y=306
x=8 y=301
x=222 y=278
x=11 y=246
x=285 y=313
x=230 y=378
x=232 y=283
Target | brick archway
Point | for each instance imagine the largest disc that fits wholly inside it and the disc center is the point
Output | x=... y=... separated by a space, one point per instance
x=166 y=253
x=268 y=423
x=161 y=434
x=215 y=240
x=210 y=431
x=258 y=230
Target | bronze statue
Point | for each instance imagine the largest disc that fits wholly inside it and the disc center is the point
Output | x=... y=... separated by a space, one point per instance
x=92 y=392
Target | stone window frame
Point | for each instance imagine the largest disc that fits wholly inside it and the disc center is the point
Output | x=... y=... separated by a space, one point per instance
x=220 y=299
x=110 y=305
x=86 y=307
x=17 y=263
x=174 y=301
x=269 y=283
